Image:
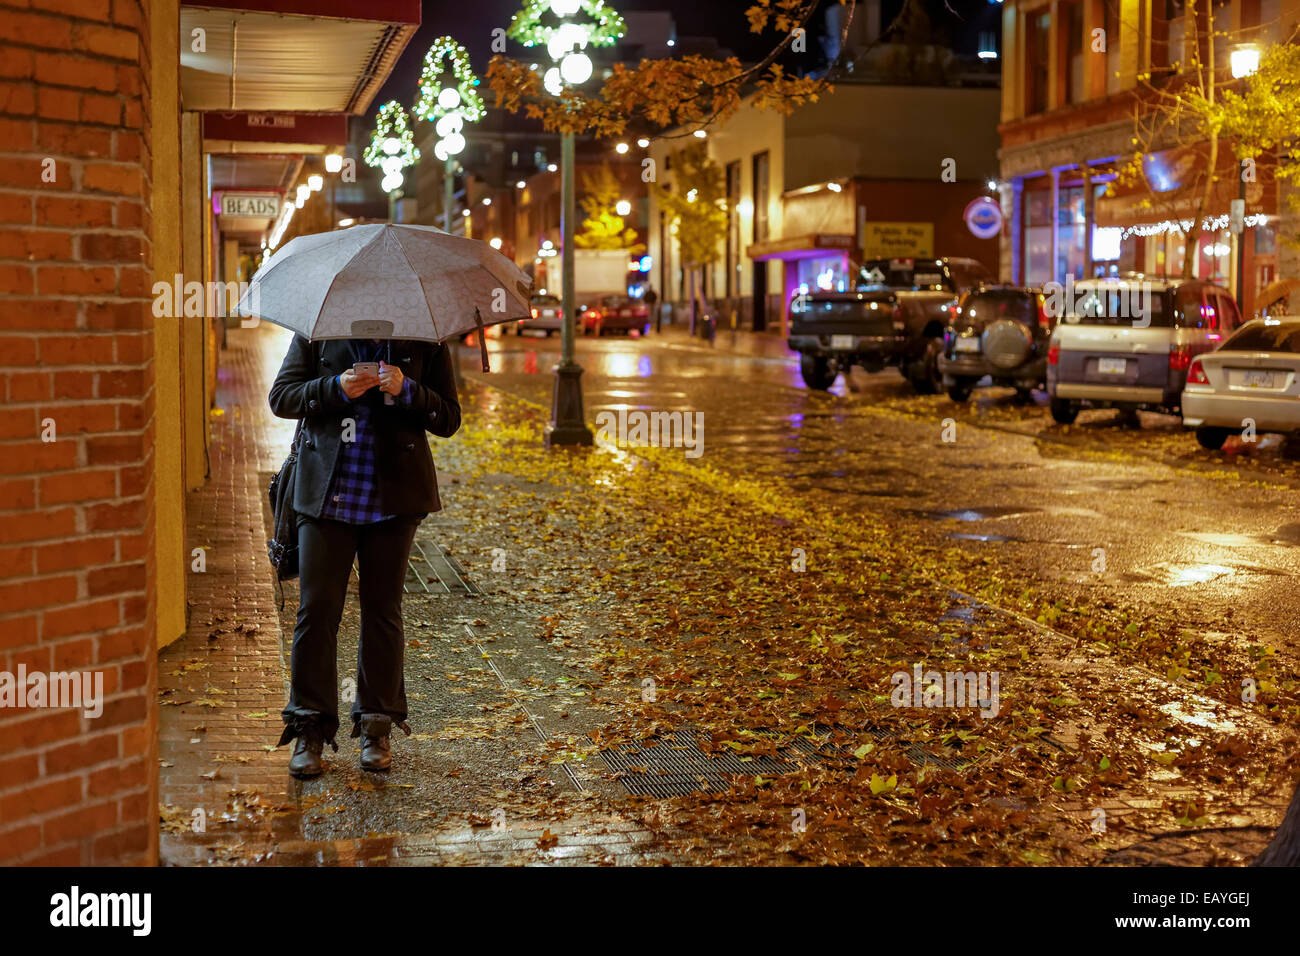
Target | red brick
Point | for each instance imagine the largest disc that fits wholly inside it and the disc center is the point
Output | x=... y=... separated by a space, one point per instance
x=78 y=486
x=27 y=386
x=79 y=824
x=104 y=110
x=39 y=525
x=124 y=846
x=14 y=278
x=15 y=208
x=82 y=553
x=127 y=146
x=73 y=211
x=35 y=244
x=85 y=9
x=126 y=13
x=44 y=727
x=81 y=753
x=116 y=579
x=16 y=562
x=26 y=458
x=124 y=384
x=17 y=63
x=74 y=385
x=80 y=619
x=41 y=798
x=76 y=654
x=66 y=69
x=17 y=134
x=72 y=139
x=17 y=99
x=108 y=41
x=39 y=30
x=77 y=349
x=128 y=642
x=19 y=632
x=18 y=595
x=118 y=315
x=124 y=179
x=103 y=247
x=53 y=103
x=16 y=771
x=124 y=710
x=76 y=280
x=63 y=856
x=17 y=422
x=111 y=517
x=20 y=841
x=115 y=449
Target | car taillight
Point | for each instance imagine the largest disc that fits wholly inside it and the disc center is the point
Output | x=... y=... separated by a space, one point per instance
x=1179 y=358
x=1044 y=320
x=1196 y=374
x=1054 y=355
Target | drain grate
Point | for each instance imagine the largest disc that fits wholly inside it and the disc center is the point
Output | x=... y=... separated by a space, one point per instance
x=677 y=766
x=431 y=570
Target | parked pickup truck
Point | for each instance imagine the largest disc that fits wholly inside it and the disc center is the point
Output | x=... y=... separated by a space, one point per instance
x=896 y=315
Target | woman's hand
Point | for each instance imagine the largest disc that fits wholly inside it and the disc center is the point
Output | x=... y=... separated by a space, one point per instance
x=354 y=385
x=390 y=379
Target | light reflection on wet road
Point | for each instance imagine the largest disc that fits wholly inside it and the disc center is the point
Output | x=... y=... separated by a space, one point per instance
x=1012 y=486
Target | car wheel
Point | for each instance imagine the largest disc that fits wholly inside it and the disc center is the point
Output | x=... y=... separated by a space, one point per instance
x=1024 y=396
x=959 y=391
x=1212 y=439
x=927 y=379
x=817 y=371
x=1063 y=413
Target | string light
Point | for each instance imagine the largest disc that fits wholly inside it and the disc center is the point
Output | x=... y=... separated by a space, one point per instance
x=392 y=145
x=435 y=100
x=527 y=27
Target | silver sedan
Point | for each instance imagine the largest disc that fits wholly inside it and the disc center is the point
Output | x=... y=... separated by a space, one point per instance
x=1250 y=384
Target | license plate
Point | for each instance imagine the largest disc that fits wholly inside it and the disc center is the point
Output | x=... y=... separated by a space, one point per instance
x=1254 y=379
x=841 y=341
x=968 y=344
x=1111 y=366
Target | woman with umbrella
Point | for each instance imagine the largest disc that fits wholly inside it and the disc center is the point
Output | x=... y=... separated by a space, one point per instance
x=368 y=375
x=365 y=479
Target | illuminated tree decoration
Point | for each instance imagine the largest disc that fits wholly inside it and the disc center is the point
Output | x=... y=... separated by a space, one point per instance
x=392 y=145
x=435 y=100
x=527 y=28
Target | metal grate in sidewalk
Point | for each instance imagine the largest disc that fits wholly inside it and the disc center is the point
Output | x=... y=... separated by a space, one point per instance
x=431 y=570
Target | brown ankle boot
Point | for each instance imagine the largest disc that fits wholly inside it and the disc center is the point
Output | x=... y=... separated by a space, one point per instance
x=308 y=744
x=376 y=752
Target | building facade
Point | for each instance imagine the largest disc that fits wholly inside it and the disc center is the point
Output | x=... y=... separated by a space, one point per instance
x=1072 y=76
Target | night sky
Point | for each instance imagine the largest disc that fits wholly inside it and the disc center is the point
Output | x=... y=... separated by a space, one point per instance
x=472 y=21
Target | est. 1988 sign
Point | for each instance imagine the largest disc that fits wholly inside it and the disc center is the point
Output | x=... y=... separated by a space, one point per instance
x=983 y=217
x=250 y=205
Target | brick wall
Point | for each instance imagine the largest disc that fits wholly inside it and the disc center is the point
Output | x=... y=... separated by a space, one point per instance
x=76 y=513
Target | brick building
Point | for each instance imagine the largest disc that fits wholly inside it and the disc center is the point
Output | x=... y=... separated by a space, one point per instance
x=107 y=185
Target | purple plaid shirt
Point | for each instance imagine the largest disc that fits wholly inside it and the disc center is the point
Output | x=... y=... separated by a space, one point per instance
x=354 y=493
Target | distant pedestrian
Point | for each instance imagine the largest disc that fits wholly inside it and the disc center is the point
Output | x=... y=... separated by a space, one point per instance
x=651 y=298
x=364 y=481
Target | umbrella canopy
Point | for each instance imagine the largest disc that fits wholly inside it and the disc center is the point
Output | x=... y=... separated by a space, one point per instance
x=386 y=281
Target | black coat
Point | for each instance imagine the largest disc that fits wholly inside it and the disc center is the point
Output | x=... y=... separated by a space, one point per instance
x=305 y=389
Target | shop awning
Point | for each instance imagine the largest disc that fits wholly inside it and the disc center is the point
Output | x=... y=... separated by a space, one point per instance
x=809 y=246
x=308 y=56
x=1173 y=187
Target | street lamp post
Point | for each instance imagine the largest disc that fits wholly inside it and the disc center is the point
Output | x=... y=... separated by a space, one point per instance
x=449 y=100
x=565 y=40
x=1244 y=61
x=392 y=149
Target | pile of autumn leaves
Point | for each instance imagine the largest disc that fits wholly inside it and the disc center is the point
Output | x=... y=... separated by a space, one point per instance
x=761 y=619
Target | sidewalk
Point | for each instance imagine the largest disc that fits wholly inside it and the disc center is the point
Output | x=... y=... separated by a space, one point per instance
x=622 y=627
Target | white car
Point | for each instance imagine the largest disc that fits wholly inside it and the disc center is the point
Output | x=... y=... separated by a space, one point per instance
x=1252 y=380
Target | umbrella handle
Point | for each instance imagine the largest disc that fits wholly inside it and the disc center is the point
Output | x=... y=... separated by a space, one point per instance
x=482 y=340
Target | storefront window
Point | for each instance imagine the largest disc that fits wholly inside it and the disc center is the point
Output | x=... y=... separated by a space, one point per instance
x=1215 y=250
x=1038 y=235
x=824 y=274
x=1071 y=234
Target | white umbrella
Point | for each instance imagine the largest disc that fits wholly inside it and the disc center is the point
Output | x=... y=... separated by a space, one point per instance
x=386 y=281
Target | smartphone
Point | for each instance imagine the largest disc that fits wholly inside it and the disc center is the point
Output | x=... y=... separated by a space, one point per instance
x=366 y=368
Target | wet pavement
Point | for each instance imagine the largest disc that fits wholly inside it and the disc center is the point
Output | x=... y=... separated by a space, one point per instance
x=1102 y=512
x=515 y=688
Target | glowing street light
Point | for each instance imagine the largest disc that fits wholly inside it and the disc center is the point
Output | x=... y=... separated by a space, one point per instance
x=392 y=149
x=1244 y=60
x=333 y=162
x=315 y=181
x=449 y=99
x=623 y=208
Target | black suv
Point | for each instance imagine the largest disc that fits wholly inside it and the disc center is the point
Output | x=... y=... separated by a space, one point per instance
x=999 y=331
x=896 y=315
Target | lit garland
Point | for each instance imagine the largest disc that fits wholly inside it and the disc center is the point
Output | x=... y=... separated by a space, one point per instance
x=527 y=28
x=392 y=145
x=1208 y=224
x=428 y=106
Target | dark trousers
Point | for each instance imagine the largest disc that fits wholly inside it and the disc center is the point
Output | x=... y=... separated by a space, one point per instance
x=325 y=552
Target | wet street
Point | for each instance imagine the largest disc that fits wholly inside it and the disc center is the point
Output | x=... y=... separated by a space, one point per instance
x=1140 y=519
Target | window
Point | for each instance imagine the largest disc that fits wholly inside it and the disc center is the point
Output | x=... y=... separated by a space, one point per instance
x=1038 y=35
x=733 y=228
x=761 y=197
x=1075 y=91
x=1187 y=307
x=1265 y=338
